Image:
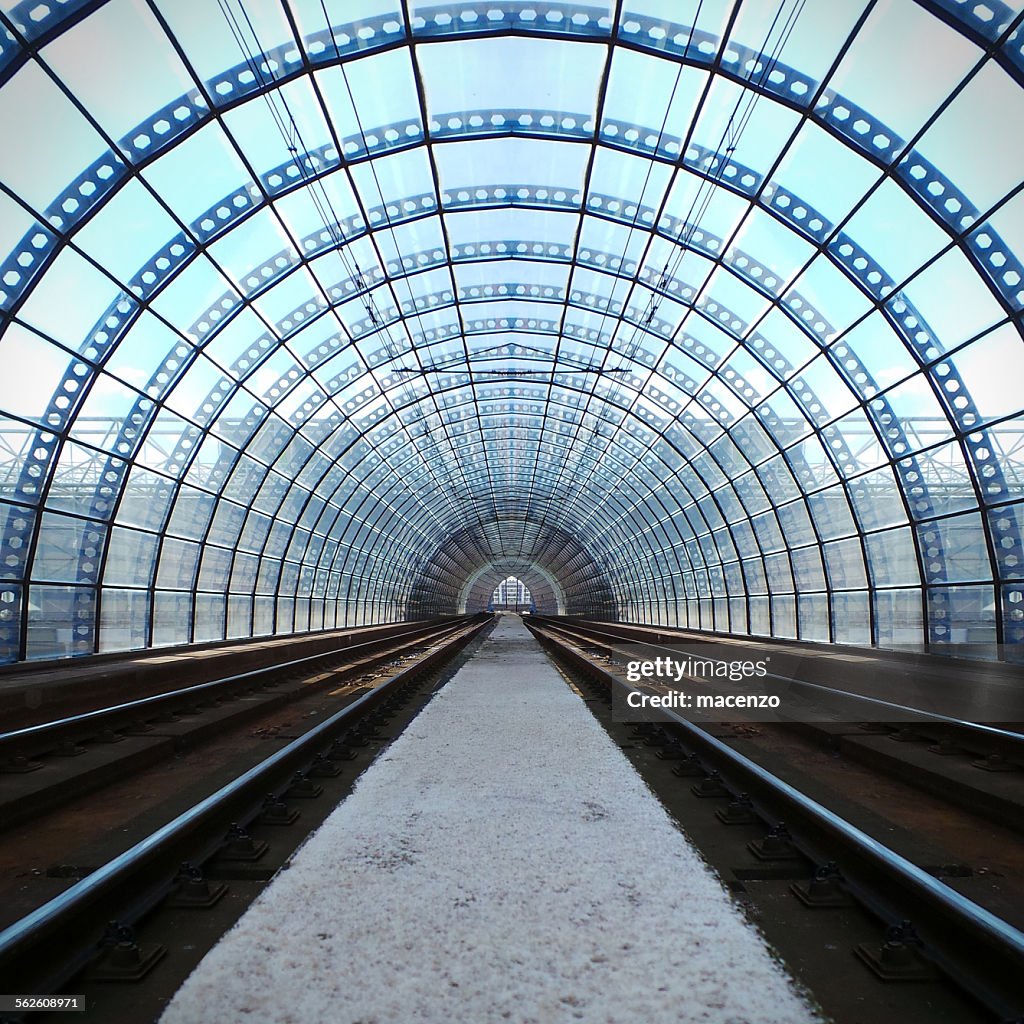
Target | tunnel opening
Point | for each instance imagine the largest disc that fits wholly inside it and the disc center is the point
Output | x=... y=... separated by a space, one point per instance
x=513 y=585
x=561 y=574
x=512 y=595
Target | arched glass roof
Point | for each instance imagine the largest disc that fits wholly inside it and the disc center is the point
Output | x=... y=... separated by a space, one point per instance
x=320 y=313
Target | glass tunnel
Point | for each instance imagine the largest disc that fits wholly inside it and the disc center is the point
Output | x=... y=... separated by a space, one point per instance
x=318 y=314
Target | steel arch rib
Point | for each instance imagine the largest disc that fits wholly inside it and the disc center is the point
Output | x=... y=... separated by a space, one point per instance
x=906 y=313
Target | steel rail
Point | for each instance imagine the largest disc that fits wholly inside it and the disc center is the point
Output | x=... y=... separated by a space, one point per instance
x=980 y=951
x=68 y=920
x=1014 y=739
x=16 y=740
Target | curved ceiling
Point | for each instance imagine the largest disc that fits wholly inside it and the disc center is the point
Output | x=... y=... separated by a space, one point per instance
x=702 y=313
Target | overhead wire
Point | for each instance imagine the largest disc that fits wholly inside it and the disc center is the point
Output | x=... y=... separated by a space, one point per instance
x=606 y=312
x=291 y=134
x=414 y=304
x=728 y=141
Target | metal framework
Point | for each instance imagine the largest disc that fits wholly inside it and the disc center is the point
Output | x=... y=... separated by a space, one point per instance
x=334 y=364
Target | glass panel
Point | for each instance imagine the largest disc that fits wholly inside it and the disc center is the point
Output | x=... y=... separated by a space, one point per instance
x=131 y=71
x=499 y=74
x=131 y=556
x=899 y=616
x=961 y=541
x=124 y=621
x=59 y=622
x=851 y=622
x=879 y=82
x=29 y=396
x=703 y=341
x=35 y=111
x=993 y=395
x=67 y=549
x=967 y=127
x=893 y=558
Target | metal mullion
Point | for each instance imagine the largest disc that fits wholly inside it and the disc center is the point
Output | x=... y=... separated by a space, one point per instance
x=841 y=477
x=370 y=233
x=615 y=15
x=585 y=39
x=303 y=260
x=376 y=516
x=331 y=308
x=428 y=142
x=658 y=214
x=313 y=489
x=718 y=262
x=340 y=510
x=956 y=241
x=416 y=404
x=353 y=512
x=673 y=474
x=63 y=435
x=201 y=249
x=634 y=520
x=994 y=48
x=31 y=48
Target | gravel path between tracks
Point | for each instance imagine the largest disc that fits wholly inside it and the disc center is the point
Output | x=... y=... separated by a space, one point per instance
x=501 y=861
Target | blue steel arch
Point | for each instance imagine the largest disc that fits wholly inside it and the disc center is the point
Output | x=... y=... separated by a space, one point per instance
x=850 y=257
x=854 y=126
x=39 y=23
x=902 y=315
x=226 y=470
x=133 y=429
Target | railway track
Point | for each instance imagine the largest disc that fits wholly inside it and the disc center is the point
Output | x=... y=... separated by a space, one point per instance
x=973 y=764
x=926 y=930
x=149 y=912
x=226 y=841
x=855 y=695
x=43 y=737
x=50 y=762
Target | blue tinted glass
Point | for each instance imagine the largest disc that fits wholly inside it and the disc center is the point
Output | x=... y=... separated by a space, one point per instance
x=311 y=323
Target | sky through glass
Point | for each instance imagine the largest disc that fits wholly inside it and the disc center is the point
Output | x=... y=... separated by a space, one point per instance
x=700 y=313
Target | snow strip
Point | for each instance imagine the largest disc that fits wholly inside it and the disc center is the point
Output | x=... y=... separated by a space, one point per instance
x=501 y=861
